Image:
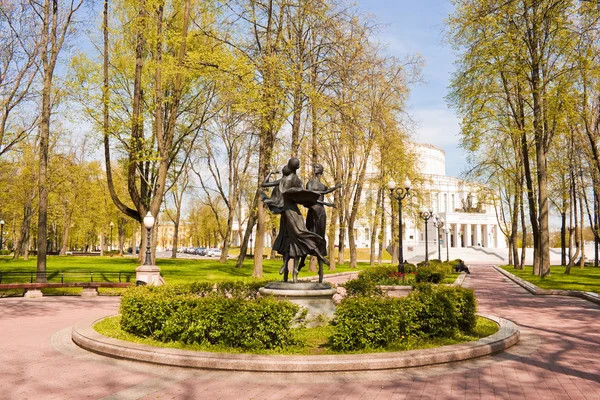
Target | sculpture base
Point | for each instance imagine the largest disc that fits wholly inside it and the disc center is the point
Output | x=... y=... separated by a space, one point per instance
x=317 y=298
x=150 y=274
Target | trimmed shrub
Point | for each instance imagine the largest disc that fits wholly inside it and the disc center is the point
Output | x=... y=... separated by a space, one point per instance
x=362 y=287
x=194 y=314
x=366 y=323
x=431 y=273
x=368 y=280
x=465 y=306
x=410 y=268
x=430 y=311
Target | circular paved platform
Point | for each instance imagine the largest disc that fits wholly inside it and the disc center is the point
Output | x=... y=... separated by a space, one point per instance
x=556 y=358
x=86 y=337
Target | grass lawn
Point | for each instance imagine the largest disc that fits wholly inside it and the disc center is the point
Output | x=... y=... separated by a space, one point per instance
x=450 y=279
x=173 y=271
x=315 y=339
x=586 y=279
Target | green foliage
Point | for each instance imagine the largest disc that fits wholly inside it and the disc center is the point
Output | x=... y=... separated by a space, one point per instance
x=194 y=314
x=362 y=287
x=368 y=280
x=434 y=273
x=367 y=323
x=585 y=279
x=410 y=268
x=429 y=312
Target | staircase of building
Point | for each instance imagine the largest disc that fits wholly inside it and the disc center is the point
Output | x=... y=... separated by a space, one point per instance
x=468 y=254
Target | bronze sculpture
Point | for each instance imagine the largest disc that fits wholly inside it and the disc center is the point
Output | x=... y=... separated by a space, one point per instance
x=316 y=219
x=294 y=240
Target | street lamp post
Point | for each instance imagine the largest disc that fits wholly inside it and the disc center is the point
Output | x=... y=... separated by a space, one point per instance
x=1 y=234
x=111 y=237
x=426 y=215
x=447 y=232
x=400 y=194
x=438 y=223
x=148 y=223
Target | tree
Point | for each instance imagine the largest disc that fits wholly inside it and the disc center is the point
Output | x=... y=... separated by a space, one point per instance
x=19 y=51
x=55 y=24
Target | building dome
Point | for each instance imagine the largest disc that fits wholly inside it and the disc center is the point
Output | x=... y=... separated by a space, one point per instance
x=432 y=159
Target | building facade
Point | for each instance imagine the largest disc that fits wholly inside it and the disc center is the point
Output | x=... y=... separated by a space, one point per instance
x=469 y=219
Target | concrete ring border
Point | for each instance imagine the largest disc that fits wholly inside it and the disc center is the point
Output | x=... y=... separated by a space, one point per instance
x=84 y=335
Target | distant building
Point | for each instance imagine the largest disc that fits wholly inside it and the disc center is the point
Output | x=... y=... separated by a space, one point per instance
x=468 y=218
x=471 y=220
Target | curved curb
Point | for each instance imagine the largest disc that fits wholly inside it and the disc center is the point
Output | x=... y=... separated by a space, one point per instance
x=84 y=335
x=533 y=289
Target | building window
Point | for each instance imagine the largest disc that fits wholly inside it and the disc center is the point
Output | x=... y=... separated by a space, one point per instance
x=446 y=202
x=453 y=203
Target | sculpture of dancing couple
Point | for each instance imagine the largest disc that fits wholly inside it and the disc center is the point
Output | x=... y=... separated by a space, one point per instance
x=297 y=239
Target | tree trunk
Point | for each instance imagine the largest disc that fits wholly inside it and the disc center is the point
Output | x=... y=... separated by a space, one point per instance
x=563 y=237
x=524 y=229
x=382 y=231
x=42 y=241
x=23 y=242
x=247 y=233
x=374 y=227
x=65 y=239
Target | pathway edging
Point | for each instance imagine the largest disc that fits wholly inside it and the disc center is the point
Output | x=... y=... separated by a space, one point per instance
x=533 y=289
x=84 y=335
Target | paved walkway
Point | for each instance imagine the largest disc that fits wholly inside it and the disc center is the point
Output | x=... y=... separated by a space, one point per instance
x=557 y=358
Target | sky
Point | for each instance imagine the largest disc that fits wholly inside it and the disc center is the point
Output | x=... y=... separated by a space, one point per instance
x=410 y=27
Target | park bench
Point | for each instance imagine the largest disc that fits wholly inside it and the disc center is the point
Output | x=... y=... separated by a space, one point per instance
x=89 y=281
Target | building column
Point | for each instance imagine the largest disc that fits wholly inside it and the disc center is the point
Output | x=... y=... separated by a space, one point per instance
x=455 y=233
x=477 y=236
x=496 y=233
x=468 y=241
x=486 y=240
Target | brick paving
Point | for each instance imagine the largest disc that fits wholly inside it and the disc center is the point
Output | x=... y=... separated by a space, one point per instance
x=557 y=358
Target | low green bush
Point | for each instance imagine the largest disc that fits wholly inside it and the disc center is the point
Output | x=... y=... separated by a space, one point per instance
x=434 y=273
x=429 y=312
x=410 y=268
x=362 y=287
x=368 y=280
x=366 y=323
x=231 y=316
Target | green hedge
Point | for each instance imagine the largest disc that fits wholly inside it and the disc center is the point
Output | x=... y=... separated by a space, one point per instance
x=366 y=323
x=368 y=280
x=435 y=272
x=232 y=316
x=428 y=312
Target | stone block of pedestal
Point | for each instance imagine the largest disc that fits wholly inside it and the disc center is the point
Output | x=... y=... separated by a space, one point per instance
x=33 y=294
x=317 y=298
x=396 y=291
x=149 y=274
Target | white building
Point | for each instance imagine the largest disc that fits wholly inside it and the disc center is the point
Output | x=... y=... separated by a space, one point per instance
x=468 y=219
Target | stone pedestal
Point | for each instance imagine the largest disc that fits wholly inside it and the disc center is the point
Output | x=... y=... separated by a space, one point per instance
x=33 y=294
x=396 y=291
x=317 y=298
x=89 y=292
x=150 y=274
